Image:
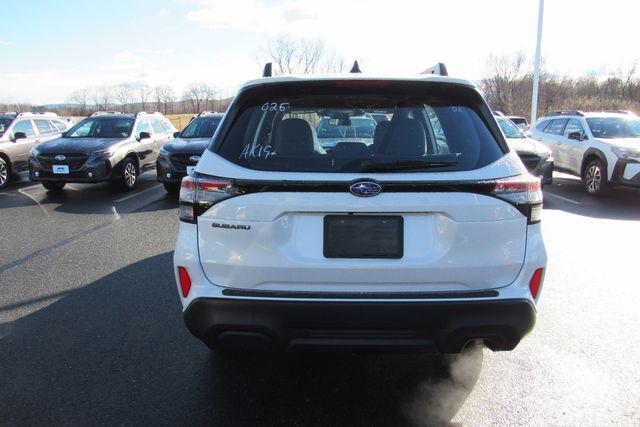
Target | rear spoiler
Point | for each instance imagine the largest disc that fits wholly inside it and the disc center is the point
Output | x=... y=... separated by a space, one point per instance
x=439 y=70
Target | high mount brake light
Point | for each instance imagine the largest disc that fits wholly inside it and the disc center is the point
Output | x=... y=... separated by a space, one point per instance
x=524 y=192
x=200 y=193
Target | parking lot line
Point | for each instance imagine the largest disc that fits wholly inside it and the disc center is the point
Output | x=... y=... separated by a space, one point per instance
x=122 y=199
x=566 y=199
x=24 y=193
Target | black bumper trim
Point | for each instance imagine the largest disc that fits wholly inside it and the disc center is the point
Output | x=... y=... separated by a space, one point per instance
x=358 y=295
x=430 y=326
x=617 y=176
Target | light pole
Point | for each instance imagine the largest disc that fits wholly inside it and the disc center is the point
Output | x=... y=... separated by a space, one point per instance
x=536 y=69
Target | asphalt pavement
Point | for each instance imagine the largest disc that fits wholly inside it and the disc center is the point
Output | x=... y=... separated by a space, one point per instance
x=91 y=330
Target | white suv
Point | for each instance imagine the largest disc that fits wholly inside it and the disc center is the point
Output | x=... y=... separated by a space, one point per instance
x=427 y=238
x=603 y=148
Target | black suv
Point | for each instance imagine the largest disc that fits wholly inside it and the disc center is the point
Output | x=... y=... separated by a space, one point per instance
x=180 y=156
x=108 y=146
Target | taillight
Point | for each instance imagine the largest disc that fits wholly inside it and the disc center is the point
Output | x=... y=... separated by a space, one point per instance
x=524 y=192
x=185 y=281
x=534 y=283
x=197 y=194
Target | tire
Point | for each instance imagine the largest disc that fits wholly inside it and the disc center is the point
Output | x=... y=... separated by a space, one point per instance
x=172 y=188
x=594 y=178
x=129 y=177
x=53 y=185
x=5 y=173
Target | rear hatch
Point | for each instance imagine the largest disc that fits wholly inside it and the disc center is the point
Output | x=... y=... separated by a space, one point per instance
x=415 y=210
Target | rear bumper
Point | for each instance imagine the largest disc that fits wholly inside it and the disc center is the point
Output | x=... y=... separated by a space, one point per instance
x=430 y=326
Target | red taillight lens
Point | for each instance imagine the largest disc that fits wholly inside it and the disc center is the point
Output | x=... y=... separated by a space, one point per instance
x=524 y=192
x=197 y=194
x=535 y=282
x=185 y=281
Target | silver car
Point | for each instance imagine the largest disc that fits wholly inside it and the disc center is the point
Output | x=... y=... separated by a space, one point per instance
x=19 y=133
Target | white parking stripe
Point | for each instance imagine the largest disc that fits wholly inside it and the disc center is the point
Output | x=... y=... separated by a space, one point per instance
x=24 y=193
x=137 y=194
x=31 y=187
x=566 y=199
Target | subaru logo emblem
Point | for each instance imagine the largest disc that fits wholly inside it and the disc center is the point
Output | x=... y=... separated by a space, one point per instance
x=194 y=159
x=365 y=189
x=60 y=157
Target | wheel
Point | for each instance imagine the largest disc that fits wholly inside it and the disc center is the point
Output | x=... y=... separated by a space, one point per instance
x=129 y=174
x=53 y=185
x=172 y=187
x=595 y=178
x=5 y=173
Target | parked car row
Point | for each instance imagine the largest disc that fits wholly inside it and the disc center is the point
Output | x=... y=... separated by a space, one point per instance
x=117 y=147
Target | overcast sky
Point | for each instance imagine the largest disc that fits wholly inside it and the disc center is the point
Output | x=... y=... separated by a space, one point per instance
x=50 y=48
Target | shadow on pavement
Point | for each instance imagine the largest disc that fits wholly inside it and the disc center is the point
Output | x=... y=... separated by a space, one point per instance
x=620 y=204
x=116 y=352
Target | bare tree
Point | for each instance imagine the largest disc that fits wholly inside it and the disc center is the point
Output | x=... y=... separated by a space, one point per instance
x=164 y=97
x=124 y=94
x=144 y=93
x=197 y=94
x=80 y=98
x=508 y=81
x=300 y=56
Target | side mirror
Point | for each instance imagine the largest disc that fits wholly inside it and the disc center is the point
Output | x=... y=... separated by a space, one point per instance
x=176 y=134
x=575 y=135
x=19 y=135
x=63 y=135
x=143 y=135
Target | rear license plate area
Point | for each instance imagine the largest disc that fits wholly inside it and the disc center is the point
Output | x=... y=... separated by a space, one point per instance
x=363 y=236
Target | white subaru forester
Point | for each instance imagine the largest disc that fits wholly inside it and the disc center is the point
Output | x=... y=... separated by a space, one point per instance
x=423 y=234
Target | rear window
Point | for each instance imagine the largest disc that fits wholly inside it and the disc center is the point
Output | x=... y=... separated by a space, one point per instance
x=329 y=127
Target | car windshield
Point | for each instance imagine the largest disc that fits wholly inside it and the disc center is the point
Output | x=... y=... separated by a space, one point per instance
x=614 y=127
x=287 y=126
x=4 y=123
x=201 y=127
x=102 y=127
x=509 y=129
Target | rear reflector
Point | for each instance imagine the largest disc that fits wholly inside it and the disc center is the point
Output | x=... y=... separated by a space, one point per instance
x=534 y=283
x=185 y=281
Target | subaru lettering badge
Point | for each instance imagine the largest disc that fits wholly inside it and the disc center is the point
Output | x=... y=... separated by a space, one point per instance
x=194 y=158
x=365 y=189
x=60 y=157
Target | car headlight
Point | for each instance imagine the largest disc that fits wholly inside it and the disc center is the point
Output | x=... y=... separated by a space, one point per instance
x=164 y=152
x=102 y=154
x=625 y=153
x=34 y=152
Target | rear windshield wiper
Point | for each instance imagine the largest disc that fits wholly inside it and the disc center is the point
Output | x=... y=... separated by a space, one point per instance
x=405 y=165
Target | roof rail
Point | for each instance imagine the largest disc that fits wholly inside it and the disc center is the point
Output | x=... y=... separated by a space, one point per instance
x=565 y=113
x=29 y=113
x=99 y=113
x=268 y=70
x=355 y=68
x=439 y=70
x=626 y=112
